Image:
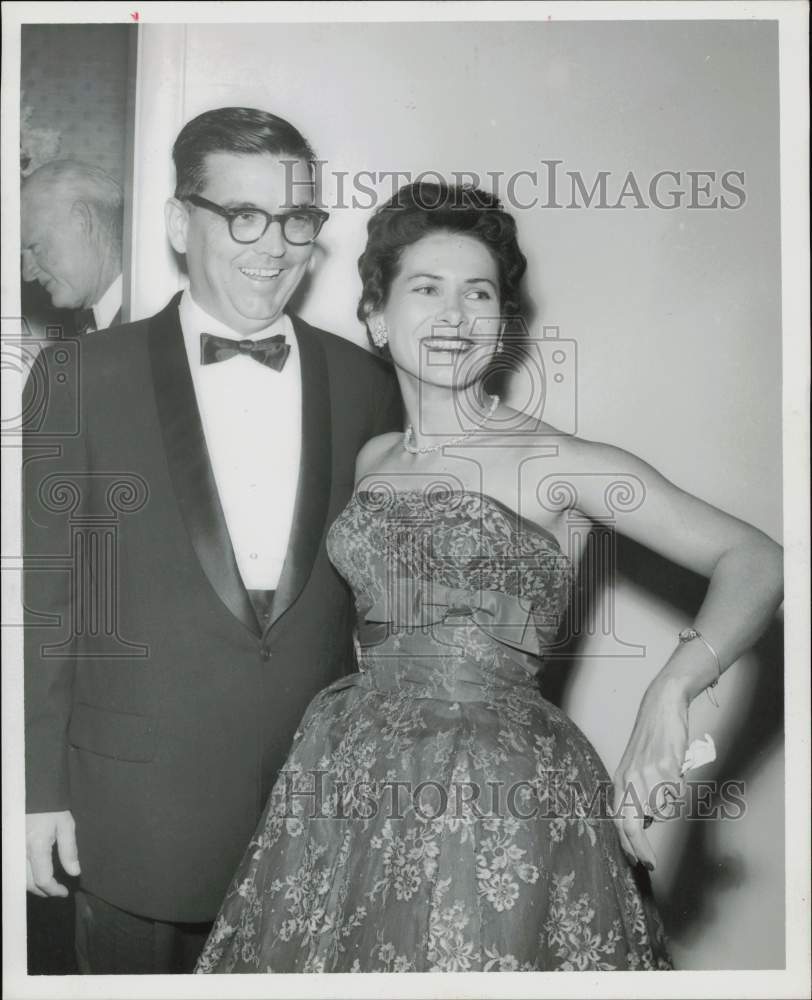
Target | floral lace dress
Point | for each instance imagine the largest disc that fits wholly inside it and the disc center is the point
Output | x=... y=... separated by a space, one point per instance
x=436 y=813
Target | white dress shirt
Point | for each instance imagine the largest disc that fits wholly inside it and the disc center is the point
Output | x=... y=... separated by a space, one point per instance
x=252 y=417
x=104 y=312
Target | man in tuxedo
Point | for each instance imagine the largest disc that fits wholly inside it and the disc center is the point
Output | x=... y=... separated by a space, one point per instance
x=186 y=482
x=71 y=226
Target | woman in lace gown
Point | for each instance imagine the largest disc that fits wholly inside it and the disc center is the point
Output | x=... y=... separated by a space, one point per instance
x=436 y=813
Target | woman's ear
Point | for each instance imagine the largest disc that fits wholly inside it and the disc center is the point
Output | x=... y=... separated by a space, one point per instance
x=176 y=216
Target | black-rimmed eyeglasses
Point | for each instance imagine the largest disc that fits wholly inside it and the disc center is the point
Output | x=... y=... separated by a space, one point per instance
x=247 y=225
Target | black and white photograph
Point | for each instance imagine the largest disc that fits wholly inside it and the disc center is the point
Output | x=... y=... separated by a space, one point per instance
x=405 y=499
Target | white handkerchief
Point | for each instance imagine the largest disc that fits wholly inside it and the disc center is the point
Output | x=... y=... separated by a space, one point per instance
x=698 y=753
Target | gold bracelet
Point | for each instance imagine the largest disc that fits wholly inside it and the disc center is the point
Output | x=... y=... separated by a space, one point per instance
x=687 y=635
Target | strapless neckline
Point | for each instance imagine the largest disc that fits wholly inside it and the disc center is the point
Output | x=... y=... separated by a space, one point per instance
x=485 y=498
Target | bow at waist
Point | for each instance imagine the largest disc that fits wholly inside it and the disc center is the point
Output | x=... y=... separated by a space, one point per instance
x=503 y=617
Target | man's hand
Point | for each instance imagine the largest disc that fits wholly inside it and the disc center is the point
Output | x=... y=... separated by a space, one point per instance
x=42 y=831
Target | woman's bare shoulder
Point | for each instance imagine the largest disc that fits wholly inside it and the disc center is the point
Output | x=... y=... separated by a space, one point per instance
x=373 y=453
x=533 y=436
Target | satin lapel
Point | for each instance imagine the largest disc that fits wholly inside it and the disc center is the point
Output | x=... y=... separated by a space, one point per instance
x=315 y=473
x=189 y=466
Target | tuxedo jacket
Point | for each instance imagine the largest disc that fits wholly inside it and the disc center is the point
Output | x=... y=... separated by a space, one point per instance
x=158 y=708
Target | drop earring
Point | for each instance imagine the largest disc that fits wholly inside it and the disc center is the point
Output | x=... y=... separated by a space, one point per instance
x=378 y=331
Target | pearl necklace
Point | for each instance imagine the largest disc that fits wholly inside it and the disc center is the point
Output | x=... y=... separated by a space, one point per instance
x=408 y=434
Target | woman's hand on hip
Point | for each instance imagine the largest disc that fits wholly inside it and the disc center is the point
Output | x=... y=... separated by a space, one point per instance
x=648 y=782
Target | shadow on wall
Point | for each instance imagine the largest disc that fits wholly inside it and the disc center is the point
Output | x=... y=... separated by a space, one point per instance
x=700 y=874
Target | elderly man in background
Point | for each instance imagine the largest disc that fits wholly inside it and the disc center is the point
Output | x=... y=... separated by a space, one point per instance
x=71 y=236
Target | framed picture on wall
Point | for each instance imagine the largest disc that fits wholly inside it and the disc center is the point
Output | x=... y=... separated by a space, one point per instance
x=76 y=127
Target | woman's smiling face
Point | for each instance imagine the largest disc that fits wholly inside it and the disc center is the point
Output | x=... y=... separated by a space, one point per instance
x=443 y=309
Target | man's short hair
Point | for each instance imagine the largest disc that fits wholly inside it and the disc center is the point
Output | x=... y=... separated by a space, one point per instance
x=232 y=130
x=72 y=180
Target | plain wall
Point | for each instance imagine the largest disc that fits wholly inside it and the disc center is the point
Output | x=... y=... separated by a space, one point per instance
x=675 y=315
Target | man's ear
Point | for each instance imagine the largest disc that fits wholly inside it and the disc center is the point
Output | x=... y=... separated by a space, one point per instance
x=176 y=216
x=82 y=217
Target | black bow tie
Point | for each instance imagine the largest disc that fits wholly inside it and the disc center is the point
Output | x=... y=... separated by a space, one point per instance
x=272 y=351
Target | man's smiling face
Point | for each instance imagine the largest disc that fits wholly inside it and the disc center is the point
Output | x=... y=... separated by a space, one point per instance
x=246 y=286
